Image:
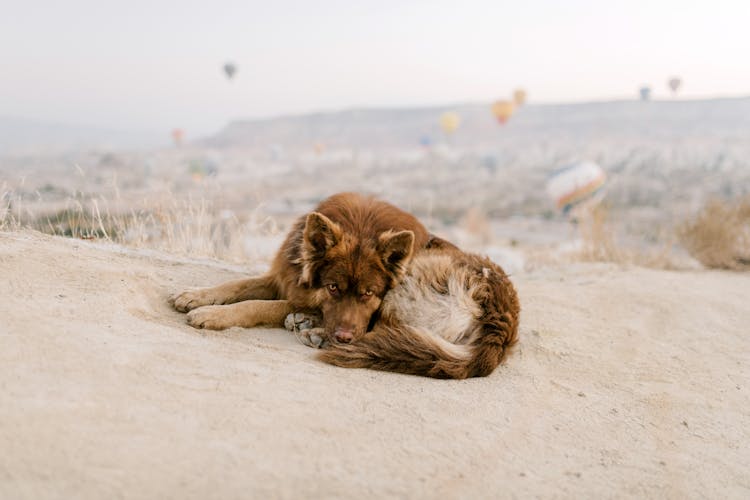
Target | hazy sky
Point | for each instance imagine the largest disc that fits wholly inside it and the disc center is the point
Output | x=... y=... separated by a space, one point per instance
x=157 y=64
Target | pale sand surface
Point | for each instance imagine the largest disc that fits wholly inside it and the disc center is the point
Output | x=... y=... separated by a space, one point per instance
x=626 y=382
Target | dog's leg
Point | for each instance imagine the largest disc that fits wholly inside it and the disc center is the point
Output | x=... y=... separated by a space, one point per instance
x=262 y=288
x=245 y=314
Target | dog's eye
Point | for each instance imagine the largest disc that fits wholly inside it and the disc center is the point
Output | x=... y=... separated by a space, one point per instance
x=366 y=295
x=333 y=288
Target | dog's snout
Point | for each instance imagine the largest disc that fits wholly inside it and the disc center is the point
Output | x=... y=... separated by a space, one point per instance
x=344 y=335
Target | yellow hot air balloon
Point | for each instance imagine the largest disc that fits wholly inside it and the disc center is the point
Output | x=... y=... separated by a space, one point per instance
x=519 y=97
x=449 y=121
x=503 y=110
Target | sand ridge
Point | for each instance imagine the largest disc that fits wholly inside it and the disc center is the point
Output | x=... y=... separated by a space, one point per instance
x=626 y=382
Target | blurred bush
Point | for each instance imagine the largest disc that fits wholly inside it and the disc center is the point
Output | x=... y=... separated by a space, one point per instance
x=719 y=235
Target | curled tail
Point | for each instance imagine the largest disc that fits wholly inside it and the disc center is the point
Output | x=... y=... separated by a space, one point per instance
x=454 y=316
x=405 y=349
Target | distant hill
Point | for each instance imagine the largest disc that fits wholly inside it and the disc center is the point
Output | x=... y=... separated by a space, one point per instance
x=19 y=134
x=387 y=128
x=379 y=129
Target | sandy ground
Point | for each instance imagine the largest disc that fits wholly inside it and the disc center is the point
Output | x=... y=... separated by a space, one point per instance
x=626 y=383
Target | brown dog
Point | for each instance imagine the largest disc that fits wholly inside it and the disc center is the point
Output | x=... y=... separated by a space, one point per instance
x=339 y=260
x=391 y=297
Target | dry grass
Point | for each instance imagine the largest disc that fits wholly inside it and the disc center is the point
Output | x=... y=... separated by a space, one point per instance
x=599 y=244
x=598 y=238
x=476 y=223
x=165 y=222
x=719 y=235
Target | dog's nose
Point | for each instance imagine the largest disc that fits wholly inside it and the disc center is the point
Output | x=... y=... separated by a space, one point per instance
x=344 y=335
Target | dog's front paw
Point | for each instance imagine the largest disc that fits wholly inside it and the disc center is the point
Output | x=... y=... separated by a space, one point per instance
x=192 y=299
x=306 y=328
x=302 y=321
x=210 y=318
x=314 y=337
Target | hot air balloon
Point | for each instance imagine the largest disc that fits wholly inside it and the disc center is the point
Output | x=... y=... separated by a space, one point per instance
x=674 y=84
x=230 y=69
x=449 y=121
x=519 y=97
x=575 y=184
x=645 y=93
x=196 y=169
x=503 y=110
x=177 y=135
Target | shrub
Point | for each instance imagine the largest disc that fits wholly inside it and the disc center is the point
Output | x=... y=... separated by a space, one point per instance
x=719 y=235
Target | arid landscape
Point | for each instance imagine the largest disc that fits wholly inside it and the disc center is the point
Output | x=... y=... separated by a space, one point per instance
x=599 y=152
x=234 y=194
x=631 y=374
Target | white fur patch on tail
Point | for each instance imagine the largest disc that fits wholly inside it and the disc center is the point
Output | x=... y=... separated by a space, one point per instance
x=457 y=351
x=450 y=314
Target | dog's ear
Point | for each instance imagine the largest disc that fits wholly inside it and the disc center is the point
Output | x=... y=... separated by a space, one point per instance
x=321 y=233
x=395 y=249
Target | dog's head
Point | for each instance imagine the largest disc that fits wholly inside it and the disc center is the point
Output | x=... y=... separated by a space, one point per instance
x=350 y=274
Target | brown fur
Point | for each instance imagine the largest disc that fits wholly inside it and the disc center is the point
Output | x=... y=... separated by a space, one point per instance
x=399 y=341
x=440 y=312
x=340 y=260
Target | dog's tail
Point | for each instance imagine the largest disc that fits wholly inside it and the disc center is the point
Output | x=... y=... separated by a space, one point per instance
x=406 y=349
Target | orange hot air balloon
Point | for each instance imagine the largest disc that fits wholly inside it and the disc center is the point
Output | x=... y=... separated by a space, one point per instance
x=177 y=135
x=519 y=97
x=449 y=121
x=503 y=110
